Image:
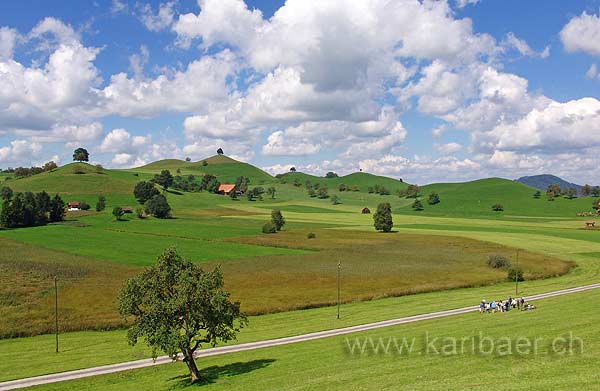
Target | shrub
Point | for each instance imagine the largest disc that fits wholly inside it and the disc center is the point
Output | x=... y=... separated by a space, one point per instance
x=101 y=204
x=417 y=205
x=139 y=211
x=118 y=212
x=497 y=207
x=335 y=200
x=515 y=274
x=311 y=235
x=433 y=199
x=269 y=228
x=277 y=219
x=84 y=206
x=498 y=262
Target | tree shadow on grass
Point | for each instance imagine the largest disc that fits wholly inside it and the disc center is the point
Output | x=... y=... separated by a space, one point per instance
x=170 y=191
x=215 y=373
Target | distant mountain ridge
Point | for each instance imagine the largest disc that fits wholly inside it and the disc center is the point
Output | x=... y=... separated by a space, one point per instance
x=542 y=182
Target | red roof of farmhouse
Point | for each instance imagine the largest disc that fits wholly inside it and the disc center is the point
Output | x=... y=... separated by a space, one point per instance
x=226 y=188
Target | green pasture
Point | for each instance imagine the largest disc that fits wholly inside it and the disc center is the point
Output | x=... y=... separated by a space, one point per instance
x=328 y=363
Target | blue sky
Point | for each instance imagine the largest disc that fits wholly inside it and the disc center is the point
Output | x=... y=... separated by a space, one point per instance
x=422 y=90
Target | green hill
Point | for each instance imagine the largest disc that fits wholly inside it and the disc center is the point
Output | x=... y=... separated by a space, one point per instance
x=224 y=168
x=361 y=179
x=77 y=178
x=477 y=198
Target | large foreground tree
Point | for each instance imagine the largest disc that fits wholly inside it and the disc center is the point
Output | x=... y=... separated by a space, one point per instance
x=176 y=307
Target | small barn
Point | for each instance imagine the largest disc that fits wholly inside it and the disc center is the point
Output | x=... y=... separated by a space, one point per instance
x=127 y=209
x=366 y=211
x=226 y=188
x=73 y=206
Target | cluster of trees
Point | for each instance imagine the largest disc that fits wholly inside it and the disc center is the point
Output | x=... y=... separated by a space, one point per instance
x=154 y=202
x=164 y=179
x=554 y=191
x=411 y=191
x=588 y=190
x=498 y=207
x=320 y=192
x=276 y=224
x=331 y=175
x=253 y=193
x=21 y=172
x=343 y=187
x=29 y=209
x=378 y=189
x=186 y=183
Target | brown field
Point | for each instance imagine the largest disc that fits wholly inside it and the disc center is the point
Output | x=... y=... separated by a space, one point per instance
x=373 y=265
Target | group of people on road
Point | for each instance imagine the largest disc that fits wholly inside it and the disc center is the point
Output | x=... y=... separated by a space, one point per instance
x=504 y=305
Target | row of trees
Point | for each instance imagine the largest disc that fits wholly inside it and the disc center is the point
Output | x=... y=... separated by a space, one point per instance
x=29 y=209
x=21 y=172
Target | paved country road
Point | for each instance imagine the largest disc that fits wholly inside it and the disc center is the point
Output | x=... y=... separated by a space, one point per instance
x=82 y=373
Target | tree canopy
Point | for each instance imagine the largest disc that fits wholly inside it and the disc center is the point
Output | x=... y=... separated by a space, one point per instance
x=143 y=191
x=158 y=207
x=382 y=218
x=176 y=307
x=81 y=155
x=164 y=179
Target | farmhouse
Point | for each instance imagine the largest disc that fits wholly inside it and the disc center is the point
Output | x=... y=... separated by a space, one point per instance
x=127 y=209
x=73 y=206
x=226 y=188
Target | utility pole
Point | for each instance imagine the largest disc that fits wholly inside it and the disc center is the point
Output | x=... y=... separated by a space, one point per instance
x=517 y=275
x=56 y=310
x=339 y=267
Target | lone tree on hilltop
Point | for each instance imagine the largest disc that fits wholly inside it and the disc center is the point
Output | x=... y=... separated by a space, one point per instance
x=292 y=169
x=176 y=307
x=383 y=217
x=81 y=155
x=220 y=151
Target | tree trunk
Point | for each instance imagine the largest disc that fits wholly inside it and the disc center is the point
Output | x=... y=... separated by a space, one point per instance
x=188 y=358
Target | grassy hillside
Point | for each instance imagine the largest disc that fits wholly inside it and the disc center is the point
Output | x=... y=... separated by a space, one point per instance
x=78 y=178
x=476 y=198
x=224 y=168
x=361 y=179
